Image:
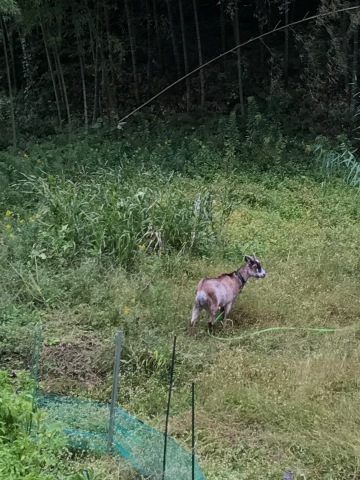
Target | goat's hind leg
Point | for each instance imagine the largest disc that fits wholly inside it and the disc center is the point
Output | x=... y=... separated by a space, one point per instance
x=194 y=317
x=212 y=321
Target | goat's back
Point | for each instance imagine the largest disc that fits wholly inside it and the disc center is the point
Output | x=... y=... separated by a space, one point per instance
x=220 y=290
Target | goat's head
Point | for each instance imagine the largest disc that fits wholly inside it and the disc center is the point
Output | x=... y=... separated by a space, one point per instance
x=254 y=267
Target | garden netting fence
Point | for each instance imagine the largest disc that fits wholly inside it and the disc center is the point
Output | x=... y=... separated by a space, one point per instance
x=86 y=424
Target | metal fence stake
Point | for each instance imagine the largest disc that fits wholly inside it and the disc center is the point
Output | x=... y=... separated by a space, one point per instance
x=168 y=408
x=35 y=359
x=114 y=389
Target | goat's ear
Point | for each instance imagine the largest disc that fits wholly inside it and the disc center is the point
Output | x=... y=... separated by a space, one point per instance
x=247 y=258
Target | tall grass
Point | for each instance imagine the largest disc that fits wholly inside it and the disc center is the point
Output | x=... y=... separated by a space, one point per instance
x=340 y=159
x=106 y=216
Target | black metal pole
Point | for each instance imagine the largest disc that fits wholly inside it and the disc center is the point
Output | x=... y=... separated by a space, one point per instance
x=168 y=407
x=193 y=431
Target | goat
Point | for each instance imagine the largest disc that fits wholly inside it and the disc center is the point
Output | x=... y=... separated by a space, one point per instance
x=219 y=293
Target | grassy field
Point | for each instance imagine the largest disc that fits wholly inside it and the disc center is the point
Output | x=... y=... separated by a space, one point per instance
x=102 y=234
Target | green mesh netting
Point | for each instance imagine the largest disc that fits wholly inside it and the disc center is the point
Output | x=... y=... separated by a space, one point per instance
x=86 y=425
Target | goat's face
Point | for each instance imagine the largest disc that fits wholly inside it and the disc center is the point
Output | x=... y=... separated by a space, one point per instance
x=254 y=267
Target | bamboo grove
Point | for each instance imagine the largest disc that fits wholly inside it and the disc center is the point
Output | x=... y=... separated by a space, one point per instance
x=67 y=65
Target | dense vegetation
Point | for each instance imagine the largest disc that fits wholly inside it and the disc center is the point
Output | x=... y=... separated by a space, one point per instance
x=40 y=455
x=83 y=65
x=100 y=234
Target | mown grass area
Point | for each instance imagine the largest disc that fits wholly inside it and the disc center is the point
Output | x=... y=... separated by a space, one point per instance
x=103 y=234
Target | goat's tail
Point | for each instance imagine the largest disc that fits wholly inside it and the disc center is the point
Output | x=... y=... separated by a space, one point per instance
x=200 y=299
x=200 y=302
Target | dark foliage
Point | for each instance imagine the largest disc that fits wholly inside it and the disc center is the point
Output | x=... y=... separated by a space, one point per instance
x=83 y=65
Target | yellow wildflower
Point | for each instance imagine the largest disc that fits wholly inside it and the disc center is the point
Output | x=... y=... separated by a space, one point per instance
x=127 y=310
x=22 y=221
x=26 y=155
x=39 y=161
x=31 y=220
x=7 y=227
x=8 y=213
x=37 y=215
x=142 y=247
x=11 y=235
x=133 y=300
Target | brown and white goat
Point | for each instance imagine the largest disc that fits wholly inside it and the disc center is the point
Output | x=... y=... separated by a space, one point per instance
x=217 y=295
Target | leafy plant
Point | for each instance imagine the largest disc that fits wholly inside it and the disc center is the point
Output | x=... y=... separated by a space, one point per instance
x=22 y=455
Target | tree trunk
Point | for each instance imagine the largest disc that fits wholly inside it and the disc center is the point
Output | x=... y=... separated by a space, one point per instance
x=173 y=38
x=201 y=73
x=9 y=34
x=132 y=48
x=149 y=43
x=292 y=16
x=57 y=77
x=63 y=86
x=91 y=36
x=8 y=75
x=286 y=58
x=156 y=21
x=96 y=82
x=354 y=87
x=26 y=61
x=345 y=46
x=96 y=65
x=52 y=75
x=259 y=14
x=112 y=86
x=223 y=37
x=83 y=83
x=269 y=14
x=186 y=60
x=105 y=84
x=239 y=66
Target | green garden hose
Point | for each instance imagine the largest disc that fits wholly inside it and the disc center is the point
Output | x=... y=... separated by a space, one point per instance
x=270 y=329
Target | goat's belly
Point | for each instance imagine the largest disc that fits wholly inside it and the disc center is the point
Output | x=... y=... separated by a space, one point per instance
x=224 y=297
x=223 y=305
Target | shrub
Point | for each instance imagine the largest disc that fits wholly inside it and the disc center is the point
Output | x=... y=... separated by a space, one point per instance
x=32 y=457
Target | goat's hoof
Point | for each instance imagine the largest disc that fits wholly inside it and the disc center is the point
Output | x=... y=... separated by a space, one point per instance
x=224 y=324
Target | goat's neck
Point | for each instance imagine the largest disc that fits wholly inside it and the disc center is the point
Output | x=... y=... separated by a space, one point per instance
x=244 y=272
